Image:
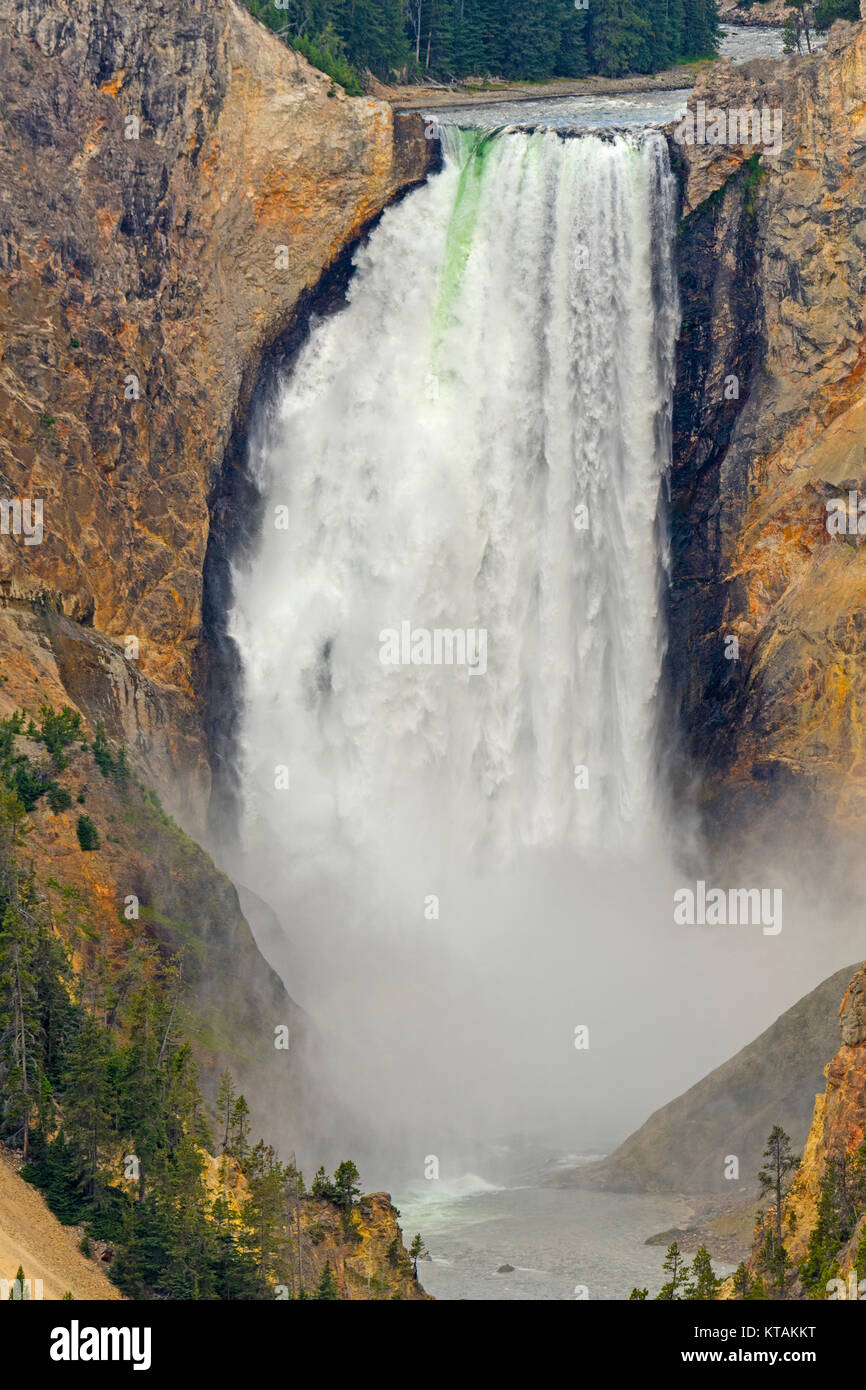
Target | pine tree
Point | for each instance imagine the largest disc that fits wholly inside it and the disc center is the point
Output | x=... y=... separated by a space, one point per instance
x=801 y=27
x=225 y=1104
x=327 y=1285
x=322 y=1187
x=534 y=31
x=677 y=1269
x=757 y=1291
x=571 y=59
x=839 y=1201
x=828 y=11
x=88 y=835
x=240 y=1129
x=416 y=1250
x=700 y=31
x=497 y=55
x=704 y=1283
x=468 y=57
x=346 y=1183
x=523 y=39
x=619 y=38
x=775 y=1179
x=373 y=33
x=264 y=1212
x=87 y=1119
x=142 y=1079
x=19 y=1027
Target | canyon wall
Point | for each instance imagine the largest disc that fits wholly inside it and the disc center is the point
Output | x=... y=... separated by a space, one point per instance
x=838 y=1123
x=770 y=424
x=173 y=182
x=684 y=1146
x=770 y=427
x=174 y=179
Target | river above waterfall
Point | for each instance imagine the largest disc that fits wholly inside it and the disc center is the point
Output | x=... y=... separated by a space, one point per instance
x=618 y=111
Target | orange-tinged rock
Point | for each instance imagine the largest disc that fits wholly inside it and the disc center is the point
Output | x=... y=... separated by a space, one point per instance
x=154 y=259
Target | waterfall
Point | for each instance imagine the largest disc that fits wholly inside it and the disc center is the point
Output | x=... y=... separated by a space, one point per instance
x=477 y=443
x=475 y=446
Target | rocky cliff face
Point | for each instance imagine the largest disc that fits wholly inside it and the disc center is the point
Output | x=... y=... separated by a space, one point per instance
x=770 y=422
x=146 y=884
x=363 y=1268
x=839 y=1120
x=369 y=1263
x=173 y=180
x=838 y=1129
x=766 y=13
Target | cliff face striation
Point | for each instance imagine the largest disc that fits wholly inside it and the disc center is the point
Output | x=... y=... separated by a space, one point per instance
x=770 y=423
x=174 y=178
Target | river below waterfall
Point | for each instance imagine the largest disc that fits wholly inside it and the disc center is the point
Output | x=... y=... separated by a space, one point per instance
x=562 y=1243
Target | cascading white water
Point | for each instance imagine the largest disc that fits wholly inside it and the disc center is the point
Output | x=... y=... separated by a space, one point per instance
x=505 y=362
x=478 y=441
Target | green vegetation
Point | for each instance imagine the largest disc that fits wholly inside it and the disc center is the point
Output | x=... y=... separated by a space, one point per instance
x=684 y=1281
x=88 y=836
x=841 y=1212
x=327 y=1285
x=530 y=40
x=753 y=176
x=704 y=1283
x=99 y=1090
x=416 y=1252
x=327 y=53
x=775 y=1178
x=109 y=764
x=746 y=1287
x=346 y=1184
x=828 y=11
x=841 y=1205
x=28 y=779
x=677 y=1271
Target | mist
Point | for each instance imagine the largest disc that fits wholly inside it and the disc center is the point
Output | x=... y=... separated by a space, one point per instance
x=474 y=870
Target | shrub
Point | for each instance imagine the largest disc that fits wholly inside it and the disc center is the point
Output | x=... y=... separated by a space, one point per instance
x=58 y=798
x=88 y=837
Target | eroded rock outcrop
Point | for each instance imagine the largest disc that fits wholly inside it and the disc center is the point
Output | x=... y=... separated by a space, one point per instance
x=173 y=178
x=766 y=13
x=838 y=1128
x=770 y=425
